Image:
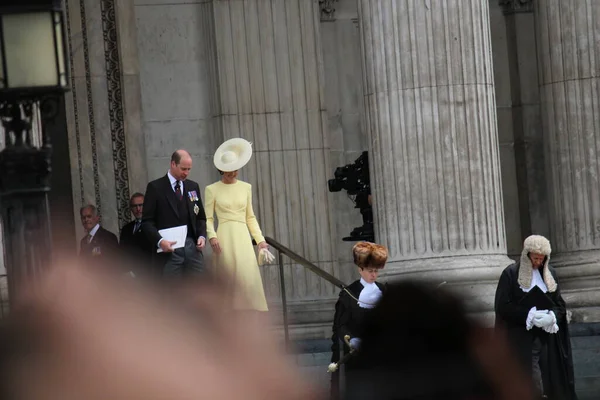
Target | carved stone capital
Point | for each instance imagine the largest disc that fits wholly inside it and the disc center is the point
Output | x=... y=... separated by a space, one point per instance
x=516 y=6
x=327 y=10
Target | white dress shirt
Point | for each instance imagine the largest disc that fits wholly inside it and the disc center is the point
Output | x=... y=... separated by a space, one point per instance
x=93 y=233
x=174 y=182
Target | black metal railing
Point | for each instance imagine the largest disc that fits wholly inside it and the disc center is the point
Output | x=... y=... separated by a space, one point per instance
x=282 y=250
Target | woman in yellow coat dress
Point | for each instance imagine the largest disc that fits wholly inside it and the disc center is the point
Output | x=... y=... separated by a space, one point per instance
x=233 y=253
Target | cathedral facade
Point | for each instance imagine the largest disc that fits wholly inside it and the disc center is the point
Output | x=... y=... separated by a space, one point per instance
x=480 y=118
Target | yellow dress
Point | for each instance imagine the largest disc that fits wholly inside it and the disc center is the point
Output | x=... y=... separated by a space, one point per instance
x=232 y=203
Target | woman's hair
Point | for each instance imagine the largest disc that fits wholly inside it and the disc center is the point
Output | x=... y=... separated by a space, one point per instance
x=368 y=254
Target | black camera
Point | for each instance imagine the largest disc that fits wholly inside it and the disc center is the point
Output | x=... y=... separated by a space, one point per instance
x=354 y=179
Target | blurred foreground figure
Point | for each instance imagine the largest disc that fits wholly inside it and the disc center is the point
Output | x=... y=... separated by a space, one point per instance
x=418 y=343
x=79 y=335
x=533 y=313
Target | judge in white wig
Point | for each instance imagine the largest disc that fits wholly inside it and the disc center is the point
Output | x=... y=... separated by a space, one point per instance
x=230 y=200
x=531 y=311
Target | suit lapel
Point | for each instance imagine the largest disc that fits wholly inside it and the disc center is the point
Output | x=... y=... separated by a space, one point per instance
x=170 y=194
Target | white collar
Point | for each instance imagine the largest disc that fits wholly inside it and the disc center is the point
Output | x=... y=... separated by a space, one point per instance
x=536 y=280
x=94 y=230
x=366 y=284
x=173 y=181
x=370 y=294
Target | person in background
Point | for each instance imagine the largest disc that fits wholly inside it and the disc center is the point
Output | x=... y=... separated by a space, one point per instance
x=98 y=245
x=536 y=327
x=354 y=303
x=134 y=244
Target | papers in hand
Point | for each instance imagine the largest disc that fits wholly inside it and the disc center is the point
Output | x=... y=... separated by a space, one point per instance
x=176 y=234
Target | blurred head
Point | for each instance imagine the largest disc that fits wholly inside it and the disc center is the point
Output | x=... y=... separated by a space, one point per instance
x=89 y=217
x=136 y=204
x=370 y=258
x=181 y=165
x=419 y=343
x=79 y=333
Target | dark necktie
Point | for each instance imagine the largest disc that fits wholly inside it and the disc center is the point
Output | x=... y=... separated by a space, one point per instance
x=138 y=224
x=178 y=190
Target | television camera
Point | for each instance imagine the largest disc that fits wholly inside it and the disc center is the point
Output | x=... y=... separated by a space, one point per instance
x=354 y=179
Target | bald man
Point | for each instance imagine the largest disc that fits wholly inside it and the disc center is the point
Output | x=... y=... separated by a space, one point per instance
x=172 y=201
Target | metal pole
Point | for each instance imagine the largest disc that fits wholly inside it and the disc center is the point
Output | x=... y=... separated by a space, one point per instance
x=283 y=301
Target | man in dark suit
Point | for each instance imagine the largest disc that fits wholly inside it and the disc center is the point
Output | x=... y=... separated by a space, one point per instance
x=173 y=201
x=98 y=245
x=134 y=243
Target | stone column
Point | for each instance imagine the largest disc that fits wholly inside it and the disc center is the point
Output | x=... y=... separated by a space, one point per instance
x=568 y=51
x=431 y=116
x=103 y=108
x=270 y=92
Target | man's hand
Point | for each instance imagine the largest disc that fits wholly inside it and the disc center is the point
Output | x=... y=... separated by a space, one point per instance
x=201 y=243
x=167 y=246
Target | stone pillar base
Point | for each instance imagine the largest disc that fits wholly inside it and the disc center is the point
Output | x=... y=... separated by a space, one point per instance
x=473 y=278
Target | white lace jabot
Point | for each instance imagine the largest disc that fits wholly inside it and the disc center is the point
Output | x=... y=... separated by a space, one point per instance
x=536 y=280
x=370 y=294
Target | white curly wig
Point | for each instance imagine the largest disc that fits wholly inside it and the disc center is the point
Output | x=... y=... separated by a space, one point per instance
x=539 y=245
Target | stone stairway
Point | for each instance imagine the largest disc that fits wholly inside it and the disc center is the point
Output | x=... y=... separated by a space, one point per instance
x=312 y=358
x=585 y=341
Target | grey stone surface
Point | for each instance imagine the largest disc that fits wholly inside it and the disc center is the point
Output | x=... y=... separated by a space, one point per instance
x=270 y=91
x=90 y=107
x=431 y=118
x=175 y=51
x=569 y=84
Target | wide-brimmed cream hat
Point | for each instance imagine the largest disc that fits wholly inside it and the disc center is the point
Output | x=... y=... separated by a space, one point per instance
x=233 y=155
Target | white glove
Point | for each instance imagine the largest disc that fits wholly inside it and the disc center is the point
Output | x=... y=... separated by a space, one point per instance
x=265 y=257
x=544 y=319
x=355 y=343
x=530 y=317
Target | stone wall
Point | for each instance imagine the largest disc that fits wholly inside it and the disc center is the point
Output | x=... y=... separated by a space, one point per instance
x=103 y=109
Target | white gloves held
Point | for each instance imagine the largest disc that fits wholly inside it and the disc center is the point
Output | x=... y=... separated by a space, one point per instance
x=265 y=257
x=543 y=319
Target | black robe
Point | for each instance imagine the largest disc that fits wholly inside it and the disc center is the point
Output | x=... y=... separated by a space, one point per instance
x=556 y=361
x=348 y=320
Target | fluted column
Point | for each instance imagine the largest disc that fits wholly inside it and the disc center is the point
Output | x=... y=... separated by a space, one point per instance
x=569 y=68
x=431 y=117
x=270 y=83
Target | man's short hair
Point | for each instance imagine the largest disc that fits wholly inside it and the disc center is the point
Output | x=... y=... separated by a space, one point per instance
x=133 y=196
x=91 y=207
x=178 y=155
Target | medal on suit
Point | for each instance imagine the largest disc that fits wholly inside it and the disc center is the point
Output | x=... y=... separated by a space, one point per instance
x=196 y=209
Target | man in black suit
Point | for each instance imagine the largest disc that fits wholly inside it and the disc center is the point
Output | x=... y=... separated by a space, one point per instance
x=172 y=201
x=99 y=245
x=134 y=243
